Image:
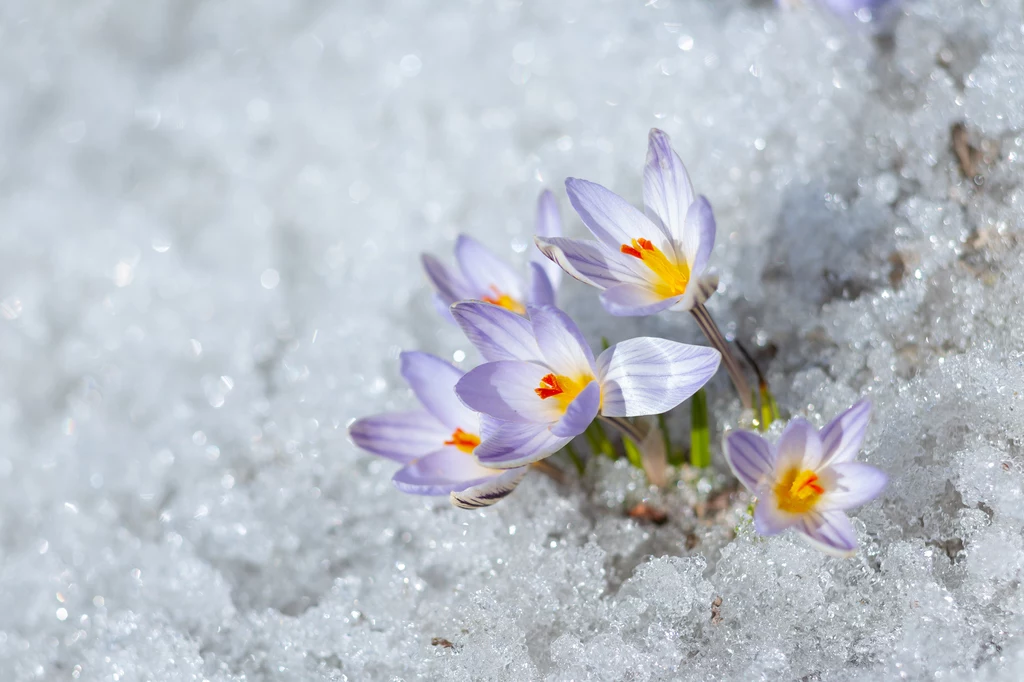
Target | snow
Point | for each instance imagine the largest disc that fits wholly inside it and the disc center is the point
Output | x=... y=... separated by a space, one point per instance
x=212 y=214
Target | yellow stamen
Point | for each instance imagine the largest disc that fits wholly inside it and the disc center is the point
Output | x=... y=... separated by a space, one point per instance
x=505 y=301
x=672 y=277
x=798 y=491
x=466 y=442
x=562 y=388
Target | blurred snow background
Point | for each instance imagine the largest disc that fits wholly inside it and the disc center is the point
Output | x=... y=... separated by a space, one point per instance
x=210 y=215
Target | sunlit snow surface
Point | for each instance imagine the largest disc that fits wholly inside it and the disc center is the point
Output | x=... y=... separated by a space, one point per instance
x=210 y=220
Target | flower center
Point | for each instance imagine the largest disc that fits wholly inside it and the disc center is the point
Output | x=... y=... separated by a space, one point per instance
x=504 y=300
x=561 y=388
x=672 y=277
x=798 y=491
x=463 y=441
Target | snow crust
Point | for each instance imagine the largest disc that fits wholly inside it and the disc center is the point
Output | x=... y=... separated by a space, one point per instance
x=211 y=218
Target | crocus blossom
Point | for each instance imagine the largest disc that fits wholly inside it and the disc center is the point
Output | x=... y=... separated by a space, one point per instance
x=482 y=276
x=435 y=444
x=544 y=386
x=808 y=478
x=644 y=262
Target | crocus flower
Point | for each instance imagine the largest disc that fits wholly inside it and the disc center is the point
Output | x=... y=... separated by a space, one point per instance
x=482 y=276
x=809 y=478
x=643 y=263
x=435 y=444
x=543 y=384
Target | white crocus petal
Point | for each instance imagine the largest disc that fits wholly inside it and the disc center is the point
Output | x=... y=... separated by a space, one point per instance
x=491 y=491
x=487 y=273
x=769 y=519
x=561 y=342
x=830 y=532
x=842 y=437
x=498 y=334
x=850 y=484
x=799 y=447
x=507 y=390
x=752 y=460
x=668 y=191
x=549 y=224
x=698 y=236
x=649 y=376
x=612 y=219
x=593 y=263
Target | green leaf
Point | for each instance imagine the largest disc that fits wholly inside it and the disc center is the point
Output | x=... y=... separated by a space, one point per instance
x=700 y=434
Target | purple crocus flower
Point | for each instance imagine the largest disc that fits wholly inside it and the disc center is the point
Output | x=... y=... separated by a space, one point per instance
x=482 y=276
x=435 y=444
x=808 y=478
x=543 y=384
x=644 y=263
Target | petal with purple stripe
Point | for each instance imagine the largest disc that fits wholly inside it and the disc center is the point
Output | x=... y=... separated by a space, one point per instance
x=650 y=376
x=541 y=292
x=612 y=219
x=498 y=334
x=592 y=263
x=830 y=532
x=850 y=484
x=842 y=437
x=769 y=519
x=485 y=272
x=698 y=236
x=549 y=224
x=441 y=472
x=506 y=390
x=751 y=459
x=561 y=342
x=580 y=412
x=668 y=191
x=450 y=286
x=491 y=491
x=400 y=436
x=433 y=381
x=634 y=300
x=799 y=447
x=514 y=445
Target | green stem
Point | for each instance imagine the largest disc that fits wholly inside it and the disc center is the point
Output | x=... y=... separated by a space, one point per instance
x=604 y=444
x=574 y=456
x=700 y=434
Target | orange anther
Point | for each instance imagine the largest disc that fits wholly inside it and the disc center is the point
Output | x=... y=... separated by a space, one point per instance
x=549 y=387
x=466 y=442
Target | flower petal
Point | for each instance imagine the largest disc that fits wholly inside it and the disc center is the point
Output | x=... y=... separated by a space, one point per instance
x=441 y=305
x=799 y=446
x=441 y=472
x=769 y=519
x=668 y=191
x=542 y=292
x=491 y=491
x=751 y=459
x=830 y=532
x=506 y=390
x=485 y=272
x=632 y=300
x=650 y=376
x=561 y=342
x=580 y=413
x=612 y=219
x=592 y=263
x=498 y=334
x=400 y=436
x=450 y=285
x=842 y=437
x=699 y=236
x=850 y=484
x=515 y=445
x=433 y=381
x=549 y=224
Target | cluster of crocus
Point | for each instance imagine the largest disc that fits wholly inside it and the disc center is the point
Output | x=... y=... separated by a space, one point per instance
x=540 y=384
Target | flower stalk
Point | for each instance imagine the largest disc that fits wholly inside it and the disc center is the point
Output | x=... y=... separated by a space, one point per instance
x=714 y=335
x=700 y=434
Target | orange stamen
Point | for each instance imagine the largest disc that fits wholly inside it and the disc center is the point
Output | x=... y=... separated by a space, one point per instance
x=466 y=442
x=798 y=491
x=504 y=300
x=549 y=387
x=671 y=277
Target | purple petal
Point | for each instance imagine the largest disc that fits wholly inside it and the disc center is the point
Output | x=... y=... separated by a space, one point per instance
x=441 y=305
x=580 y=413
x=515 y=445
x=491 y=491
x=751 y=459
x=850 y=484
x=561 y=342
x=506 y=390
x=549 y=224
x=450 y=286
x=830 y=532
x=592 y=263
x=633 y=300
x=542 y=292
x=485 y=272
x=400 y=436
x=668 y=192
x=650 y=376
x=611 y=218
x=699 y=236
x=441 y=472
x=769 y=519
x=433 y=381
x=799 y=446
x=842 y=437
x=498 y=334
